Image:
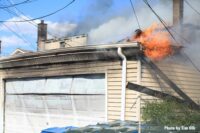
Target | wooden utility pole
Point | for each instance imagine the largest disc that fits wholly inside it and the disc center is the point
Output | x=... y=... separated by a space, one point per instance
x=177 y=12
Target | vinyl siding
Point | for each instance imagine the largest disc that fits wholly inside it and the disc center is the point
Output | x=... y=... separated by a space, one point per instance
x=186 y=77
x=114 y=92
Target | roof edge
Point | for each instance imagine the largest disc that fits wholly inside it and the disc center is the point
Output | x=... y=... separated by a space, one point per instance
x=71 y=55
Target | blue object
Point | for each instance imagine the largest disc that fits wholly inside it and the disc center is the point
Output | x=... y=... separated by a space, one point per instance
x=57 y=129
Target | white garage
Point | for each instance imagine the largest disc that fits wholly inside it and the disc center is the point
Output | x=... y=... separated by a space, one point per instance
x=34 y=104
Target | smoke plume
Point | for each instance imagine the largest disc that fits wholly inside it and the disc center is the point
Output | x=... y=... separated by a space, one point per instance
x=118 y=25
x=103 y=24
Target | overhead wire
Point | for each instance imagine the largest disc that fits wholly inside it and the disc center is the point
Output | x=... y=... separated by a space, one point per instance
x=192 y=7
x=155 y=76
x=44 y=16
x=15 y=13
x=16 y=34
x=164 y=24
x=31 y=22
x=134 y=12
x=18 y=13
x=16 y=4
x=21 y=36
x=161 y=20
x=153 y=72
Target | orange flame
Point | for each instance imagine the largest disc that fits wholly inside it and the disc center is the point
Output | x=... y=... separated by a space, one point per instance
x=156 y=42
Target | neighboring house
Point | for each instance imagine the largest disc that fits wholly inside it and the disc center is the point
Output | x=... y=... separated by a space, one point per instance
x=82 y=85
x=65 y=42
x=19 y=51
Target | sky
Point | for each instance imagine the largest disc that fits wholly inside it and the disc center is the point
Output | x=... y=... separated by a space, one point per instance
x=103 y=20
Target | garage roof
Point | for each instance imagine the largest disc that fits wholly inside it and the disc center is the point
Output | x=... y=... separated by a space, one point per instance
x=73 y=54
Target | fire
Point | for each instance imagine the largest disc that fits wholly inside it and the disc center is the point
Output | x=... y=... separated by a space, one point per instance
x=156 y=42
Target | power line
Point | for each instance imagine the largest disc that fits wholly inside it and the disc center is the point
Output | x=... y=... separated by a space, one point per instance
x=192 y=7
x=16 y=13
x=16 y=34
x=195 y=66
x=134 y=12
x=160 y=19
x=16 y=4
x=21 y=36
x=164 y=24
x=44 y=16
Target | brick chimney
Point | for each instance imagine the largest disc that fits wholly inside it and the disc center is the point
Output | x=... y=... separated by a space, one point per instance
x=177 y=12
x=42 y=35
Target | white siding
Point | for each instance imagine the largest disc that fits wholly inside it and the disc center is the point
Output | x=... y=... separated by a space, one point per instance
x=114 y=92
x=186 y=77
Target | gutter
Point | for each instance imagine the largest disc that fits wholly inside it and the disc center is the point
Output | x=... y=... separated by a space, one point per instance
x=123 y=89
x=71 y=50
x=87 y=53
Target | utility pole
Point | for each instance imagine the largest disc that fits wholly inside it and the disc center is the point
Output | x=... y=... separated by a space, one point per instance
x=177 y=12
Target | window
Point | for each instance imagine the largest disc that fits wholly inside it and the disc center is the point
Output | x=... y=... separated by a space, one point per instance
x=62 y=44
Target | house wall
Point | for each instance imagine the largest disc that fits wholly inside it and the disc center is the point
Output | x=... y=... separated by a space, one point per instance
x=114 y=92
x=68 y=42
x=112 y=69
x=185 y=76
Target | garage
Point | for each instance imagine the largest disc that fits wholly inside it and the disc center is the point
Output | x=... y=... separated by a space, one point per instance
x=33 y=104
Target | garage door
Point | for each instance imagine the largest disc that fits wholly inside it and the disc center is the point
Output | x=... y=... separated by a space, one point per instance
x=38 y=103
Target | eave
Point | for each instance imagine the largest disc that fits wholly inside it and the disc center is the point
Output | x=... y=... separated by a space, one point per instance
x=71 y=55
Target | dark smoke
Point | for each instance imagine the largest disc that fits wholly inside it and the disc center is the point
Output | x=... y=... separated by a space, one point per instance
x=103 y=25
x=97 y=13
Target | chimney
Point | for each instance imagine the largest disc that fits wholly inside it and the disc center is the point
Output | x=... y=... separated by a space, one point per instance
x=42 y=35
x=177 y=12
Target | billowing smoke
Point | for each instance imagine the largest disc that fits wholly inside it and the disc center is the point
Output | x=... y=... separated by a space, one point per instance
x=104 y=25
x=188 y=34
x=191 y=43
x=191 y=31
x=60 y=29
x=97 y=12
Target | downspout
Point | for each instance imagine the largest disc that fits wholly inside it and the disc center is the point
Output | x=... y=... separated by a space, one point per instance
x=123 y=89
x=139 y=75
